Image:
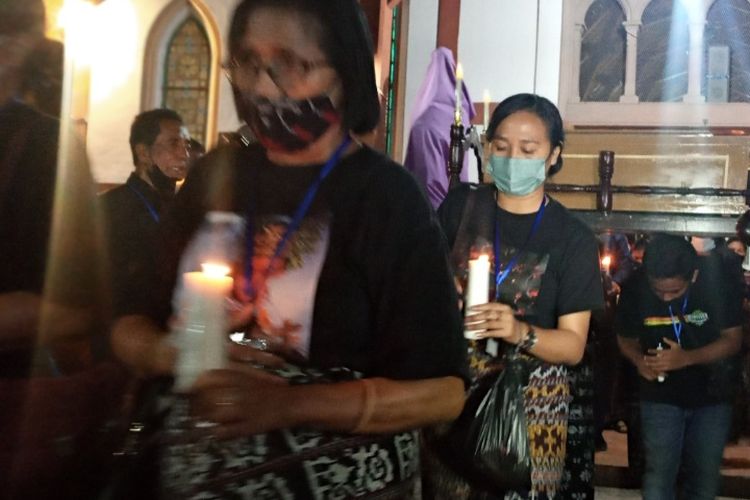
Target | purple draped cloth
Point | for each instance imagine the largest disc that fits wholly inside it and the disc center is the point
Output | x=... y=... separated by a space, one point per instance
x=428 y=150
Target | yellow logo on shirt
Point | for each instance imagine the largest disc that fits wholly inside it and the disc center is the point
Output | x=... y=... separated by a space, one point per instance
x=697 y=318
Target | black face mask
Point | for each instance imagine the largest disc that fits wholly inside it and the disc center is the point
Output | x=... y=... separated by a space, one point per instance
x=164 y=185
x=286 y=124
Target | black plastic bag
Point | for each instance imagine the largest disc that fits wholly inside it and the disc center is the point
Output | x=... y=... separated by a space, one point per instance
x=488 y=444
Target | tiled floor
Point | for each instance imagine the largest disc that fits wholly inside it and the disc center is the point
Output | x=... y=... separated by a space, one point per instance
x=736 y=464
x=618 y=494
x=614 y=493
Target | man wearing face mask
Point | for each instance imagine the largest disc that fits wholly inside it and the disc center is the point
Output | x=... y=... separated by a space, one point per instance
x=680 y=326
x=159 y=144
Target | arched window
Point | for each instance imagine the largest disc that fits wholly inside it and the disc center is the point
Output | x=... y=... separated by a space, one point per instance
x=728 y=26
x=663 y=46
x=187 y=72
x=603 y=52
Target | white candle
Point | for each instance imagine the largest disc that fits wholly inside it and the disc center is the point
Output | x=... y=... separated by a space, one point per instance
x=459 y=93
x=478 y=286
x=203 y=336
x=486 y=98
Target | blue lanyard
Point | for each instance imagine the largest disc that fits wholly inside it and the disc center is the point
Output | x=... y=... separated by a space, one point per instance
x=677 y=323
x=500 y=276
x=151 y=210
x=293 y=226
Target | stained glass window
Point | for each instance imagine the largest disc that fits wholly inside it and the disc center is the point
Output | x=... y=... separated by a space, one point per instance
x=186 y=76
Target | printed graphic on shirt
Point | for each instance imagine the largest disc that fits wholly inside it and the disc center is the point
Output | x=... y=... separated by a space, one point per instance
x=521 y=288
x=285 y=302
x=697 y=318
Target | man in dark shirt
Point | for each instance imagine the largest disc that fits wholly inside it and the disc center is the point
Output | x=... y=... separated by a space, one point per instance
x=680 y=325
x=159 y=144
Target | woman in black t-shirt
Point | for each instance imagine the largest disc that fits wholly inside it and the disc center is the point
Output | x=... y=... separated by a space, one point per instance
x=360 y=297
x=546 y=268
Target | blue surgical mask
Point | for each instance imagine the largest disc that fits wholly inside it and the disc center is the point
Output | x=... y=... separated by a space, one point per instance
x=516 y=176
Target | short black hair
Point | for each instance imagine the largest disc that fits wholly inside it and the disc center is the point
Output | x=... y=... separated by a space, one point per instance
x=669 y=256
x=347 y=43
x=146 y=127
x=541 y=107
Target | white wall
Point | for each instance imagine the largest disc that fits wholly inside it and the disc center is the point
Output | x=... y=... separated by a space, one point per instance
x=421 y=40
x=497 y=46
x=112 y=111
x=110 y=116
x=227 y=116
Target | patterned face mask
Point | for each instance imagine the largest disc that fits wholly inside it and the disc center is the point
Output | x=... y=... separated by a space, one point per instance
x=287 y=124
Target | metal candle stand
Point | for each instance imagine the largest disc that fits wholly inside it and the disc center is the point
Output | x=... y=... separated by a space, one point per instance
x=461 y=138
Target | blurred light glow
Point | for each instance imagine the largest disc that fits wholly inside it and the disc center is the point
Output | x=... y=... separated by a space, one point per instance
x=115 y=43
x=76 y=19
x=104 y=38
x=214 y=270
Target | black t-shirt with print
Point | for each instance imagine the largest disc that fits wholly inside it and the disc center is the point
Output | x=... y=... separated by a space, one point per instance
x=712 y=305
x=365 y=281
x=557 y=271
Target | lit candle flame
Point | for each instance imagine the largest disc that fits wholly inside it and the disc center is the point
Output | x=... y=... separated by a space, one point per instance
x=483 y=257
x=459 y=71
x=214 y=270
x=606 y=262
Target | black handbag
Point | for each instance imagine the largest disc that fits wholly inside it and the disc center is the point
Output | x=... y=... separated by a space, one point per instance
x=488 y=444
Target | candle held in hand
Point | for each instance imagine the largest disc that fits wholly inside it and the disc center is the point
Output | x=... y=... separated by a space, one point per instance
x=478 y=286
x=203 y=338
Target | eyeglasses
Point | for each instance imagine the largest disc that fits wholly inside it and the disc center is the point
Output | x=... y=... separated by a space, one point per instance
x=286 y=70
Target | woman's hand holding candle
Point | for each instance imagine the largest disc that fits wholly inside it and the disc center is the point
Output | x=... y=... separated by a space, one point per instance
x=495 y=320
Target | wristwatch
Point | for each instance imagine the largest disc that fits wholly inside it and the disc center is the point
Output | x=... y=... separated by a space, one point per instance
x=529 y=341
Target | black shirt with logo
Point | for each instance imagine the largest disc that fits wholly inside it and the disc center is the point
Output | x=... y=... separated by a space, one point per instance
x=712 y=305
